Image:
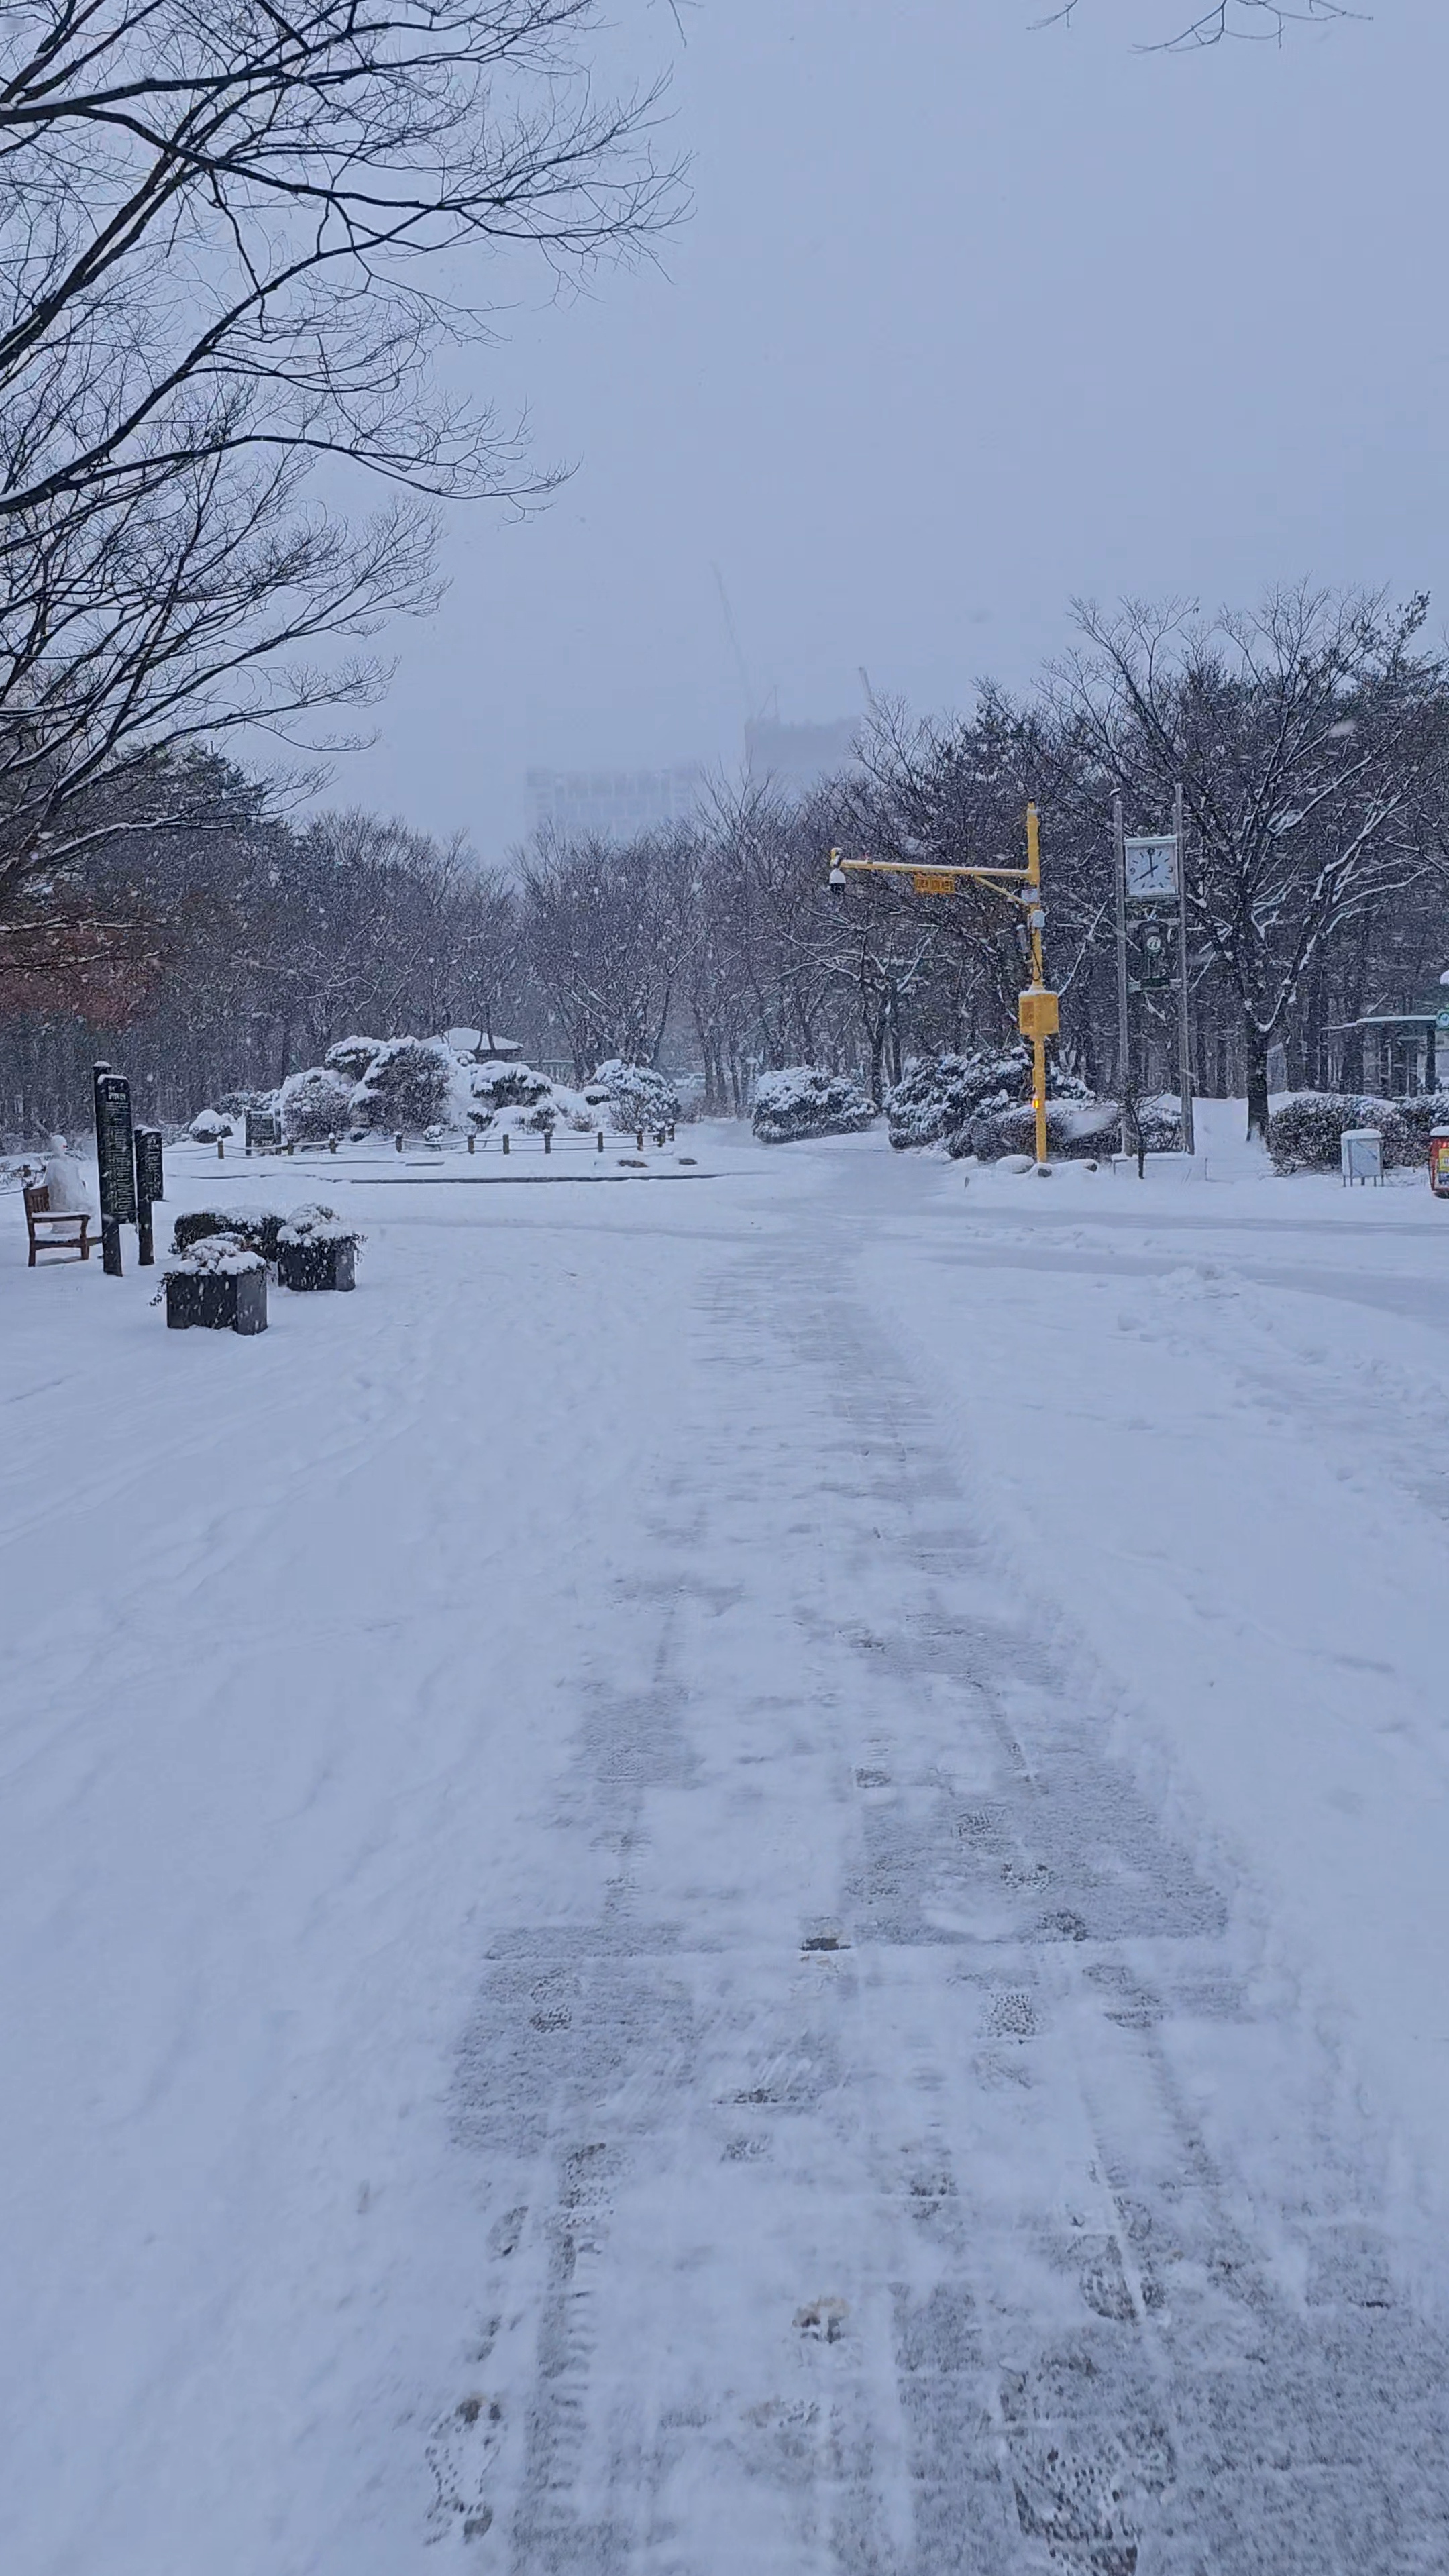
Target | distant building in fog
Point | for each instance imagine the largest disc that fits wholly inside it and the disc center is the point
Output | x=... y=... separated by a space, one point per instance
x=797 y=756
x=615 y=803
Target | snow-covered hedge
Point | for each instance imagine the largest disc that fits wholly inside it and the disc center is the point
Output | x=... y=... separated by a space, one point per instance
x=315 y=1105
x=214 y=1256
x=1077 y=1130
x=802 y=1101
x=635 y=1095
x=208 y=1127
x=1305 y=1129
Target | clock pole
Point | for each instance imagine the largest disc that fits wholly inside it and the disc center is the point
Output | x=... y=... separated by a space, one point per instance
x=1184 y=1027
x=1124 y=1025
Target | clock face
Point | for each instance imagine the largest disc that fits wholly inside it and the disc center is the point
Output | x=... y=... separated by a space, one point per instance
x=1151 y=868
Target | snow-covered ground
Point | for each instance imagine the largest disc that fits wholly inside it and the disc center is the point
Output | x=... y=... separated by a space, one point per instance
x=737 y=1877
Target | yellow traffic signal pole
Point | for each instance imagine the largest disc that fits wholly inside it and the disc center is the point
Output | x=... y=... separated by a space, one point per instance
x=1038 y=1012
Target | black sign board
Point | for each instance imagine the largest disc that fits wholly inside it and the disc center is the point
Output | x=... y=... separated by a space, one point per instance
x=264 y=1129
x=150 y=1178
x=115 y=1156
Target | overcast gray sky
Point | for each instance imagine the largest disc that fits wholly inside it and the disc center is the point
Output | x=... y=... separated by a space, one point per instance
x=967 y=318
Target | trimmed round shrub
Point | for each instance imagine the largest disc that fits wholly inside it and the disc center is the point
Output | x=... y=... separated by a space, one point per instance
x=500 y=1085
x=802 y=1101
x=408 y=1086
x=314 y=1105
x=635 y=1094
x=351 y=1057
x=209 y=1127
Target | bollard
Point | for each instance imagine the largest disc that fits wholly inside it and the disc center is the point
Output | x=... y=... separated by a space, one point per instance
x=548 y=1140
x=397 y=1140
x=472 y=1140
x=671 y=1131
x=220 y=1150
x=291 y=1148
x=601 y=1140
x=505 y=1140
x=638 y=1140
x=331 y=1144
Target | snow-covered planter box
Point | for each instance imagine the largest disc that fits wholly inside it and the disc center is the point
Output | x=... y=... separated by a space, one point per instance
x=316 y=1249
x=315 y=1105
x=802 y=1101
x=635 y=1095
x=219 y=1284
x=1306 y=1129
x=209 y=1127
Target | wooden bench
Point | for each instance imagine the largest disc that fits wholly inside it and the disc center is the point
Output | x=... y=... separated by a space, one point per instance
x=54 y=1230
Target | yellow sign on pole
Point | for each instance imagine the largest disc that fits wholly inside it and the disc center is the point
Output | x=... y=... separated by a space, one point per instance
x=1038 y=1014
x=933 y=881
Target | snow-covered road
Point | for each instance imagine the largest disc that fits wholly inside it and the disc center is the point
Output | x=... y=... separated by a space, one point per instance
x=735 y=1879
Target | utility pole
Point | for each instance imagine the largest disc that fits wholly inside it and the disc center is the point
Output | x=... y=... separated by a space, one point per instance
x=1034 y=1018
x=1184 y=1029
x=1124 y=1025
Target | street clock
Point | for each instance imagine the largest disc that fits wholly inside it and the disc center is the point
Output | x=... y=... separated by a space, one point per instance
x=1151 y=868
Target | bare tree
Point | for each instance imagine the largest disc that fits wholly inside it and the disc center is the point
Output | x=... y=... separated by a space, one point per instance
x=607 y=927
x=1251 y=21
x=1310 y=741
x=224 y=227
x=232 y=240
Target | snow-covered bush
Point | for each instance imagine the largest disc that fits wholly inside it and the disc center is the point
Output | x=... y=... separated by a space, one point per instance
x=209 y=1127
x=634 y=1094
x=351 y=1057
x=235 y=1104
x=802 y=1101
x=256 y=1228
x=1304 y=1131
x=1415 y=1119
x=499 y=1085
x=317 y=1225
x=314 y=1105
x=938 y=1095
x=409 y=1085
x=1078 y=1130
x=214 y=1256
